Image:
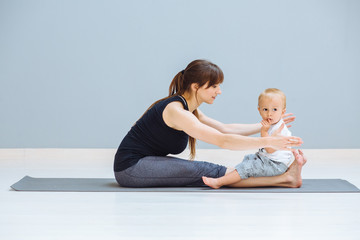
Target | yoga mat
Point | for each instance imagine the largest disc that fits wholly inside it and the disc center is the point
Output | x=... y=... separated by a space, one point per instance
x=109 y=185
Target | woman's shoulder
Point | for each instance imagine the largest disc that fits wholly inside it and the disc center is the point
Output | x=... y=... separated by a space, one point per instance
x=173 y=112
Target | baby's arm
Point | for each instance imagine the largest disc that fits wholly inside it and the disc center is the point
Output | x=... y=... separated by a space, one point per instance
x=264 y=133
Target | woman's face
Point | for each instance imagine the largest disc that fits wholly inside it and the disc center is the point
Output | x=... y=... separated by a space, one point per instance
x=208 y=94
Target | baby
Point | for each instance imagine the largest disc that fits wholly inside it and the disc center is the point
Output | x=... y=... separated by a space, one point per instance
x=267 y=161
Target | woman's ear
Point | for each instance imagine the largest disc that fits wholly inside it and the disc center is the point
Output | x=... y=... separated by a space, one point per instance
x=194 y=86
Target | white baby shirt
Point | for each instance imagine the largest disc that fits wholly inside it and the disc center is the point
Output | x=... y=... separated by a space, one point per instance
x=285 y=157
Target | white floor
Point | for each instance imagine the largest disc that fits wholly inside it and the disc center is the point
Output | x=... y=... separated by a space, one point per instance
x=46 y=215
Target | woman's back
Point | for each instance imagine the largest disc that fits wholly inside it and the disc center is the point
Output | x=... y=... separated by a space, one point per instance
x=150 y=136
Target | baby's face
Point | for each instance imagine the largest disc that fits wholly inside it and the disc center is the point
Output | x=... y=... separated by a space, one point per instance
x=271 y=108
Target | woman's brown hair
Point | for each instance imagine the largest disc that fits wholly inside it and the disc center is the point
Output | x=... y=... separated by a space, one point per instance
x=200 y=72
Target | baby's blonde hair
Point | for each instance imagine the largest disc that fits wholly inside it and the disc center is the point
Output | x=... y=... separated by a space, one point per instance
x=270 y=92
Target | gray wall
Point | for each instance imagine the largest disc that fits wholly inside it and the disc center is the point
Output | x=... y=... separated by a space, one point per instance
x=78 y=73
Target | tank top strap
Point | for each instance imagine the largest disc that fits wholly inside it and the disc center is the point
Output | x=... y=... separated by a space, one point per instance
x=184 y=102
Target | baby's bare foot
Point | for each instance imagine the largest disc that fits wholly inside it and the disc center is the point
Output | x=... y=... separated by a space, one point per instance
x=294 y=172
x=211 y=182
x=304 y=158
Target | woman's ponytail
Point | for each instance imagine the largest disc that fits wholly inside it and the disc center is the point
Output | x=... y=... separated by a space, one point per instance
x=176 y=88
x=176 y=85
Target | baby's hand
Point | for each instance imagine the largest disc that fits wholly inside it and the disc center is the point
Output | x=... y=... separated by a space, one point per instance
x=265 y=126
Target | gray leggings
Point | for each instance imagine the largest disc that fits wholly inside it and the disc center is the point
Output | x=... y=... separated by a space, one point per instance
x=155 y=171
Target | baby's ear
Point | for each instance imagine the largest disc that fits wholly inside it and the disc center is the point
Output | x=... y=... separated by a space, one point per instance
x=284 y=111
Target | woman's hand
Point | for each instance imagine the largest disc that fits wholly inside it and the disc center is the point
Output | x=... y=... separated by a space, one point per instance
x=288 y=118
x=277 y=132
x=285 y=142
x=280 y=142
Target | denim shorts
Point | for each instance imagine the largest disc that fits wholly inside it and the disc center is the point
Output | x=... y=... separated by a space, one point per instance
x=255 y=165
x=159 y=171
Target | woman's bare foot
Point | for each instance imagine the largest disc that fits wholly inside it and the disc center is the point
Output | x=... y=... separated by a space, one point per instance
x=293 y=175
x=211 y=182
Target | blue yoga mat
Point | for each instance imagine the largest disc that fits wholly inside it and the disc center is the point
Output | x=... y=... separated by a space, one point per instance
x=109 y=185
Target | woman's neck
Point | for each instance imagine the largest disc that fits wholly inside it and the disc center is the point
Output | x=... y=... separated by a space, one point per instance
x=191 y=101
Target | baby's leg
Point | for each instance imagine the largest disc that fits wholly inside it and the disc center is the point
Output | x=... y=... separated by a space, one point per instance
x=228 y=179
x=233 y=177
x=291 y=178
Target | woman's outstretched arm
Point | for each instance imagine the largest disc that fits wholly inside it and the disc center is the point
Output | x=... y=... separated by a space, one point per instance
x=176 y=117
x=234 y=128
x=237 y=128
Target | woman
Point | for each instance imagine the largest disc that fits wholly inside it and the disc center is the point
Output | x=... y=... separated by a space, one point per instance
x=167 y=126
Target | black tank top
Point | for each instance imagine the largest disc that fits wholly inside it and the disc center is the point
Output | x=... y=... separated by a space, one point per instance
x=150 y=136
